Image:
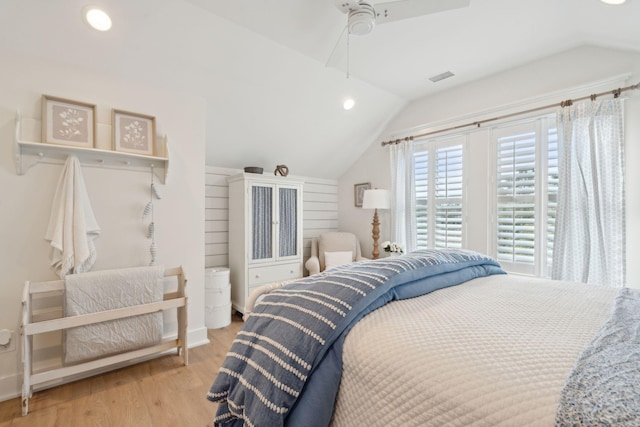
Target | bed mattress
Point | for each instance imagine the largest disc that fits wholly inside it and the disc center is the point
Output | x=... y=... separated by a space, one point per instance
x=495 y=351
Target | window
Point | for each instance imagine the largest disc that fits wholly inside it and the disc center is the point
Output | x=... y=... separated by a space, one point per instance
x=526 y=178
x=493 y=190
x=439 y=193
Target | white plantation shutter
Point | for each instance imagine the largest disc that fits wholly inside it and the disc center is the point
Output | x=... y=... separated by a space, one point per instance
x=526 y=188
x=421 y=165
x=448 y=197
x=516 y=198
x=439 y=193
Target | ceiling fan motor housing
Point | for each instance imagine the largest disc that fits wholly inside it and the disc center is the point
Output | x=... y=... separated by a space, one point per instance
x=362 y=20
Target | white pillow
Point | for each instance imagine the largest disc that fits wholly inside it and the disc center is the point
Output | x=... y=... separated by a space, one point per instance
x=334 y=259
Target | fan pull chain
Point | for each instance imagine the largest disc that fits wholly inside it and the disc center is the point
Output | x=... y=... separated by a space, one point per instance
x=348 y=51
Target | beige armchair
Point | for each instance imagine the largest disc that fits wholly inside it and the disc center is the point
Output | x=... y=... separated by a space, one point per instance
x=332 y=249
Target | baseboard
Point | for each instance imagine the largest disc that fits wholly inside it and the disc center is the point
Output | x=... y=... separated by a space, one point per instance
x=197 y=337
x=10 y=386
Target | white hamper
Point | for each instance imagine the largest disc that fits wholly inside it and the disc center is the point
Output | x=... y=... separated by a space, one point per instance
x=217 y=297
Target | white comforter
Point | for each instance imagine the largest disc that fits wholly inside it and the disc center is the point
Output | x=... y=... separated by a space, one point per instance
x=494 y=351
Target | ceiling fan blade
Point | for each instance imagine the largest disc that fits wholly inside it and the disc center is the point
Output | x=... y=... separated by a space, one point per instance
x=346 y=5
x=397 y=10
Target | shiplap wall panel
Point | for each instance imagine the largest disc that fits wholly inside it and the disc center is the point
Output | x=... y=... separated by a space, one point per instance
x=320 y=213
x=216 y=237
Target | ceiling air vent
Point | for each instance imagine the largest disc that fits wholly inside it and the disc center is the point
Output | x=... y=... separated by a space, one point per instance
x=441 y=76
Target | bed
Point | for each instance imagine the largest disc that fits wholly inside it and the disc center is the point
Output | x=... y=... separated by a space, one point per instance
x=440 y=338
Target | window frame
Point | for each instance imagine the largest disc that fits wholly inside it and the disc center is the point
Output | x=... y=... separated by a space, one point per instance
x=541 y=125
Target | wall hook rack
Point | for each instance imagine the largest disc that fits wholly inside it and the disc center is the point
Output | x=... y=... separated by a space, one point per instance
x=27 y=154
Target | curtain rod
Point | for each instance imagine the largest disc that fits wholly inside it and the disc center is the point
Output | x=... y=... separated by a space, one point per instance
x=616 y=93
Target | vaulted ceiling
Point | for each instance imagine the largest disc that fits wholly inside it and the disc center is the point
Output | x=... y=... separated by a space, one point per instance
x=272 y=86
x=487 y=37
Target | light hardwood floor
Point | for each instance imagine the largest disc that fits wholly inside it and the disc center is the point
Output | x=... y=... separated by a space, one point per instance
x=160 y=392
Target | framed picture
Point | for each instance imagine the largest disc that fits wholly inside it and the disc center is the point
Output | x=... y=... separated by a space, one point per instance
x=67 y=122
x=358 y=193
x=134 y=133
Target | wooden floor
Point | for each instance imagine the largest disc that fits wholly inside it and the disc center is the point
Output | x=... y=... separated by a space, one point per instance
x=160 y=392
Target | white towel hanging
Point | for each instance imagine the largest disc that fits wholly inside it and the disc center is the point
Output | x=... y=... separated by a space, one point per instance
x=72 y=224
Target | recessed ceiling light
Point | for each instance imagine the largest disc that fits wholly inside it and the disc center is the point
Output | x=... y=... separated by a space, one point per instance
x=97 y=18
x=348 y=104
x=616 y=2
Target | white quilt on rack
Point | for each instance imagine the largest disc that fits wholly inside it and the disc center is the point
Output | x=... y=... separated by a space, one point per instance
x=107 y=290
x=494 y=351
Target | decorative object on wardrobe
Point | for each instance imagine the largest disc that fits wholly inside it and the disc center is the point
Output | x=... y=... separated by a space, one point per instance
x=358 y=193
x=281 y=170
x=72 y=224
x=375 y=199
x=28 y=152
x=67 y=122
x=133 y=132
x=253 y=169
x=265 y=220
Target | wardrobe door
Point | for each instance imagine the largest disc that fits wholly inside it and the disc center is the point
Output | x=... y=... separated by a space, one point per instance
x=288 y=199
x=262 y=222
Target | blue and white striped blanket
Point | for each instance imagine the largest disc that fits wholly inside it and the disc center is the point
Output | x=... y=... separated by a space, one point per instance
x=284 y=366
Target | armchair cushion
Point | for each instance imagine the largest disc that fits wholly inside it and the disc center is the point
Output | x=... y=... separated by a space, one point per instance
x=334 y=241
x=334 y=259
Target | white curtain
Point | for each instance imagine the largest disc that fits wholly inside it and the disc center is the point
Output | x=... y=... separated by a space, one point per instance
x=403 y=199
x=589 y=241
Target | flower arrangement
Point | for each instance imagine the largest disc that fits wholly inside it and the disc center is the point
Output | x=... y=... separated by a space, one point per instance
x=393 y=247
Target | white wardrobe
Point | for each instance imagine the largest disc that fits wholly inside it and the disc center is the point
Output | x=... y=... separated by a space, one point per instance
x=265 y=232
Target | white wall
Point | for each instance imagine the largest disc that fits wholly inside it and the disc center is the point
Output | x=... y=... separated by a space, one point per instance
x=320 y=213
x=536 y=84
x=373 y=167
x=117 y=196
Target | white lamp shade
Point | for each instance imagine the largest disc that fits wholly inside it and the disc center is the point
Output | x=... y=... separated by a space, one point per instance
x=375 y=199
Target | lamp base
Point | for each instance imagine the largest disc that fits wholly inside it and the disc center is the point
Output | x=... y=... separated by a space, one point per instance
x=375 y=233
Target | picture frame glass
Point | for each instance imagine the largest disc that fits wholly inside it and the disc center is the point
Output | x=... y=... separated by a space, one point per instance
x=358 y=193
x=66 y=122
x=133 y=133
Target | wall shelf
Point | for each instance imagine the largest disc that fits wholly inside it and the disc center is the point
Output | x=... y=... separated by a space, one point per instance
x=29 y=153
